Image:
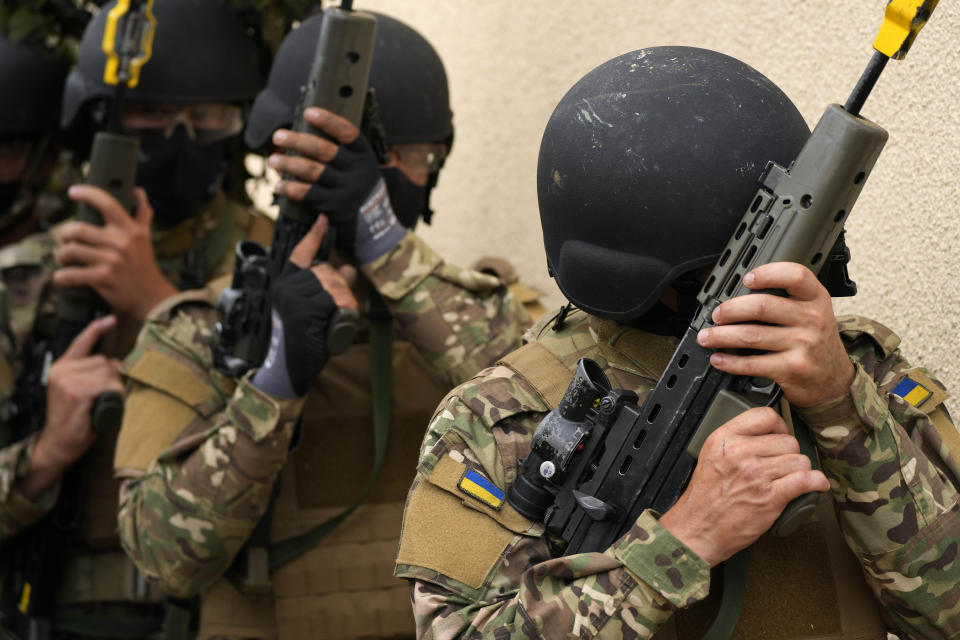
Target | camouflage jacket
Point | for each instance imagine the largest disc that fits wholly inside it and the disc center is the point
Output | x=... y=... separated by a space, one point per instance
x=28 y=309
x=191 y=502
x=476 y=572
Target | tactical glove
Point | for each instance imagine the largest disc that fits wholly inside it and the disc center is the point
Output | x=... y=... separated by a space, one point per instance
x=302 y=310
x=351 y=193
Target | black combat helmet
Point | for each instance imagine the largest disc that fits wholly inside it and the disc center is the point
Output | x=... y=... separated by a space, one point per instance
x=406 y=72
x=33 y=85
x=201 y=53
x=646 y=166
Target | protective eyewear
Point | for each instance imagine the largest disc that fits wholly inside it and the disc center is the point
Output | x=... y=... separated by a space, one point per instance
x=204 y=122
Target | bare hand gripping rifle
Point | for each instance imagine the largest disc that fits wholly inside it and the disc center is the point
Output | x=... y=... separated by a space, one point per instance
x=337 y=82
x=30 y=591
x=600 y=459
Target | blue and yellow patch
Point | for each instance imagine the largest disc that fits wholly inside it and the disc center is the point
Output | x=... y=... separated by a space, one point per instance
x=912 y=391
x=476 y=486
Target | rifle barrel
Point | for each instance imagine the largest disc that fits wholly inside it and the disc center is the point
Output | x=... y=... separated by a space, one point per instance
x=865 y=84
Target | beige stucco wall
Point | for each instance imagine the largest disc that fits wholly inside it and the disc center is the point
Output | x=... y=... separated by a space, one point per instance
x=510 y=62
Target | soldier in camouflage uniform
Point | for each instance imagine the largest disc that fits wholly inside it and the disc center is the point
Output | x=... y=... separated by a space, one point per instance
x=187 y=113
x=202 y=474
x=29 y=113
x=29 y=116
x=641 y=182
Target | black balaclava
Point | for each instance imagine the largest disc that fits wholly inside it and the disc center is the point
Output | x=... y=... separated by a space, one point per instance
x=663 y=320
x=409 y=200
x=180 y=175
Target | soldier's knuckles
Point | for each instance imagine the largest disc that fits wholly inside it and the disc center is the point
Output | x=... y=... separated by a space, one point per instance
x=751 y=334
x=796 y=365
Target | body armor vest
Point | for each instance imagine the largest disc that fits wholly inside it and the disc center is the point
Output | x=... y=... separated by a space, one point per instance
x=804 y=586
x=344 y=586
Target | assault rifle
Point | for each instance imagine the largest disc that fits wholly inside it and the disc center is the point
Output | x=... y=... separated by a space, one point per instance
x=337 y=82
x=600 y=459
x=30 y=590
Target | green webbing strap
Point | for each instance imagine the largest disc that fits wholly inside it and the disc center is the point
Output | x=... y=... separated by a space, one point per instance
x=381 y=392
x=176 y=623
x=734 y=585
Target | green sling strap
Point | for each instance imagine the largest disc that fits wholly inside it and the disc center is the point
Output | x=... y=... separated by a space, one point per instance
x=381 y=391
x=734 y=586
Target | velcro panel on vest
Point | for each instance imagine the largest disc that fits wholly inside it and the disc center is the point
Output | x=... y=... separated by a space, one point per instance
x=542 y=370
x=335 y=453
x=170 y=394
x=377 y=614
x=805 y=586
x=447 y=532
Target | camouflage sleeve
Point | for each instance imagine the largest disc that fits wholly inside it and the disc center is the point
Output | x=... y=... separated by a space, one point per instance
x=459 y=320
x=894 y=482
x=185 y=515
x=16 y=511
x=627 y=591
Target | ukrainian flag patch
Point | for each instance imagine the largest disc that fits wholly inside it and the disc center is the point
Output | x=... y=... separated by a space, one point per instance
x=476 y=486
x=912 y=391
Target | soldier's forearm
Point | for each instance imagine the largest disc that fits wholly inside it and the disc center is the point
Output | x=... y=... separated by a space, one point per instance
x=186 y=518
x=899 y=511
x=459 y=320
x=584 y=596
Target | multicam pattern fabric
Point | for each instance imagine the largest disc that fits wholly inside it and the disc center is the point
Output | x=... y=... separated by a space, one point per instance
x=458 y=334
x=202 y=493
x=28 y=306
x=189 y=513
x=19 y=513
x=889 y=472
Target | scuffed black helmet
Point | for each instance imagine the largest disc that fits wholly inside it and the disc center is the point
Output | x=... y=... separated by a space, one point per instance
x=32 y=86
x=406 y=72
x=646 y=166
x=201 y=53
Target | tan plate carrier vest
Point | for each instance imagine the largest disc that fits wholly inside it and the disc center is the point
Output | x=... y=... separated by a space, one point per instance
x=805 y=586
x=344 y=586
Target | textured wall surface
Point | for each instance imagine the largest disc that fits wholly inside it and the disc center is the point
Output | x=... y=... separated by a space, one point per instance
x=509 y=63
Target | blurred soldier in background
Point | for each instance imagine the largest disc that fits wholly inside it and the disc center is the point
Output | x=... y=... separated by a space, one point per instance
x=201 y=478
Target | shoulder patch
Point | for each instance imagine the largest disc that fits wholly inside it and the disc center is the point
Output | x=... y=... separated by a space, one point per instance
x=920 y=390
x=853 y=327
x=912 y=391
x=476 y=485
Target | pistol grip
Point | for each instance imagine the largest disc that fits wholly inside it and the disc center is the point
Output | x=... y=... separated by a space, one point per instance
x=726 y=406
x=802 y=507
x=342 y=329
x=106 y=414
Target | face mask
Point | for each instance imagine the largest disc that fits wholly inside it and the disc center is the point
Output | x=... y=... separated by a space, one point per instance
x=179 y=175
x=409 y=200
x=9 y=192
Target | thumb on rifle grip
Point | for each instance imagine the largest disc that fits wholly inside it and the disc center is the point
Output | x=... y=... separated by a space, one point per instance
x=106 y=414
